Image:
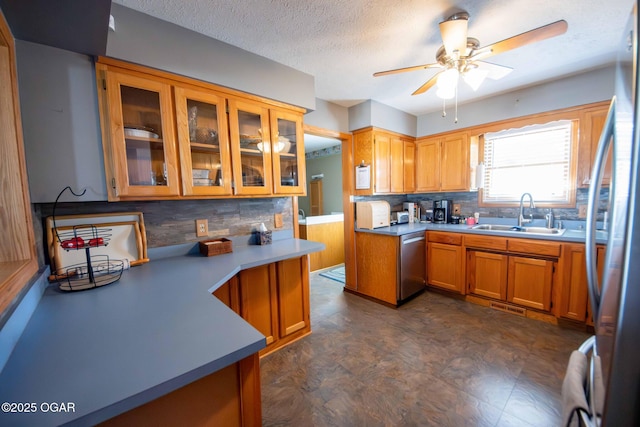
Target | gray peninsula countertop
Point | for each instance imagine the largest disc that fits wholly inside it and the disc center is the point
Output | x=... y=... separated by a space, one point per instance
x=109 y=349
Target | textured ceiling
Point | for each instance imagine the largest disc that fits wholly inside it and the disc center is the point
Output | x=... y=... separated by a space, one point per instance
x=342 y=43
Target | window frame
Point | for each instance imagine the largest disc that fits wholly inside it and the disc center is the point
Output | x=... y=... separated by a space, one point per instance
x=537 y=120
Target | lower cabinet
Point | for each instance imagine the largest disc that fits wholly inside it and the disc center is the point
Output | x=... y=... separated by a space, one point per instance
x=487 y=274
x=258 y=300
x=228 y=294
x=445 y=261
x=574 y=296
x=518 y=280
x=377 y=266
x=529 y=282
x=273 y=298
x=293 y=296
x=518 y=271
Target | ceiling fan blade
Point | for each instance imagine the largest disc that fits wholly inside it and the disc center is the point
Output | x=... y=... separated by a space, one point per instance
x=404 y=70
x=541 y=33
x=454 y=34
x=494 y=71
x=428 y=85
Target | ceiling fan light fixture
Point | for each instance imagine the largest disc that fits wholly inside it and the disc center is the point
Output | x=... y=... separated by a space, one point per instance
x=454 y=34
x=474 y=77
x=447 y=83
x=446 y=93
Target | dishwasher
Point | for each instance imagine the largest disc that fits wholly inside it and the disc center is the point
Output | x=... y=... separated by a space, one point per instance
x=412 y=274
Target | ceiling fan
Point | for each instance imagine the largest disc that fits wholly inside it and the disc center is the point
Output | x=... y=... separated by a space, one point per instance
x=461 y=56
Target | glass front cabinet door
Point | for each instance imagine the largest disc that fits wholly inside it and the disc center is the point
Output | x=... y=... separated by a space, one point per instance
x=142 y=137
x=203 y=140
x=250 y=148
x=288 y=153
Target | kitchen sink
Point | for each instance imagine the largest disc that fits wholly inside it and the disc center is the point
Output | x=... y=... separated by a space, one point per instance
x=517 y=229
x=495 y=227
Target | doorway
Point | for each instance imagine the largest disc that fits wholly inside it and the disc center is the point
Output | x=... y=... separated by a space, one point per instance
x=345 y=191
x=324 y=176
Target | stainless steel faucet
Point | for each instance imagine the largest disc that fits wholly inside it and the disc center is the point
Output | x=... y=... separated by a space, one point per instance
x=301 y=213
x=521 y=219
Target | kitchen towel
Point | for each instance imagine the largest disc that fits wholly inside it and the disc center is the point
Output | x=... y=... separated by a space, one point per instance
x=573 y=389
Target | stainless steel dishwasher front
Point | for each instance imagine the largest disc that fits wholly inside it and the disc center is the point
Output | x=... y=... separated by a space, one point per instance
x=413 y=271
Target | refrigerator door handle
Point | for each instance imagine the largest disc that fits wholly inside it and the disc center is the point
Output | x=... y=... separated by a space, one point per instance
x=606 y=138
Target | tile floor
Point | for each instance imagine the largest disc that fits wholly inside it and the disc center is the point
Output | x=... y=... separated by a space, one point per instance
x=435 y=361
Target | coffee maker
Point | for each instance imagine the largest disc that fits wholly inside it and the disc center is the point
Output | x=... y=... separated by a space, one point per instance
x=442 y=210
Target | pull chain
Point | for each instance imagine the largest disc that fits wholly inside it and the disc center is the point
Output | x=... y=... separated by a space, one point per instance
x=455 y=120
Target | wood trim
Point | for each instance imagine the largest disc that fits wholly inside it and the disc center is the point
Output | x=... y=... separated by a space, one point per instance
x=250 y=393
x=534 y=247
x=174 y=78
x=570 y=113
x=447 y=238
x=18 y=262
x=348 y=207
x=390 y=133
x=485 y=242
x=296 y=225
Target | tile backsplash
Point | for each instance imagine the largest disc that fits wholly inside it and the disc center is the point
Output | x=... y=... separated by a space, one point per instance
x=172 y=222
x=469 y=204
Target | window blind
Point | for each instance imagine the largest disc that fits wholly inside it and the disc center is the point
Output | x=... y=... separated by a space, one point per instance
x=534 y=159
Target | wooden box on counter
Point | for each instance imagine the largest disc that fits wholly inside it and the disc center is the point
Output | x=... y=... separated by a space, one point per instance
x=215 y=247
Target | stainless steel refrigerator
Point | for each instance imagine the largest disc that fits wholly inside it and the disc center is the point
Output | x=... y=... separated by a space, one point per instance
x=612 y=370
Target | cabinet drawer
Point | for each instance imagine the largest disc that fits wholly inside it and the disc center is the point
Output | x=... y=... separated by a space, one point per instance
x=446 y=238
x=485 y=242
x=534 y=247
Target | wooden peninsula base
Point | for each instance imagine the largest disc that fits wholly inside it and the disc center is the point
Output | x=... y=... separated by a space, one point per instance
x=229 y=397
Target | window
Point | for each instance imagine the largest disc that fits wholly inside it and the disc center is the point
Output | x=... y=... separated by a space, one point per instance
x=538 y=159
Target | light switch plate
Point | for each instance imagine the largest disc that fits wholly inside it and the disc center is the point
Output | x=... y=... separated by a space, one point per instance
x=456 y=209
x=277 y=220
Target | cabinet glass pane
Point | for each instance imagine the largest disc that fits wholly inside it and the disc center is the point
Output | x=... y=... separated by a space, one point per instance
x=251 y=149
x=143 y=136
x=206 y=162
x=287 y=148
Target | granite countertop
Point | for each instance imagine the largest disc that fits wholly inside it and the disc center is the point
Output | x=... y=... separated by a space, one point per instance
x=572 y=235
x=110 y=349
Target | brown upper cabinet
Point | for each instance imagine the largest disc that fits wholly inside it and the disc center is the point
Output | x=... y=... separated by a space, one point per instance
x=391 y=158
x=591 y=125
x=167 y=137
x=442 y=163
x=205 y=160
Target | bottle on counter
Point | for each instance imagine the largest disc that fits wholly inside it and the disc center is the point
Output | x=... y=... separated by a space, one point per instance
x=549 y=218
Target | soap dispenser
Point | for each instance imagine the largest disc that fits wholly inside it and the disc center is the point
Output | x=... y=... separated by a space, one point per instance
x=549 y=218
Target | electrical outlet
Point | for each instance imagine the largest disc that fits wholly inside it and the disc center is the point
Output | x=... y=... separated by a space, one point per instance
x=277 y=220
x=456 y=209
x=202 y=227
x=582 y=211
